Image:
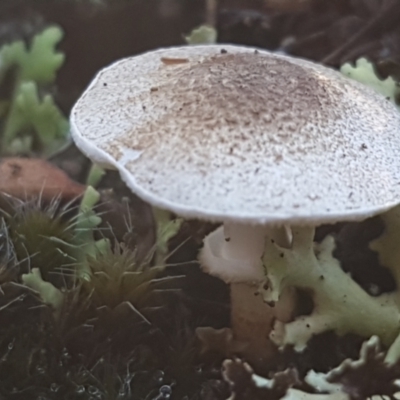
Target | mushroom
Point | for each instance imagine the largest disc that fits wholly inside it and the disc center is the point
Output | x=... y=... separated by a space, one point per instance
x=258 y=141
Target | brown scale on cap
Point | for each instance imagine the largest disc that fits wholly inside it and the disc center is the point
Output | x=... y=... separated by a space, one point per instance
x=238 y=134
x=256 y=99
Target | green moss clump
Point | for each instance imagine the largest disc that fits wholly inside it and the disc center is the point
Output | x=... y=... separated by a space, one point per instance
x=42 y=239
x=116 y=278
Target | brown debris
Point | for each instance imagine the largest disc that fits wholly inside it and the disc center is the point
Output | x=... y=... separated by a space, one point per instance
x=220 y=341
x=173 y=61
x=25 y=178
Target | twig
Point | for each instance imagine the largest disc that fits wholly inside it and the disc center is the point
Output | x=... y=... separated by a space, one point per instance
x=388 y=12
x=211 y=12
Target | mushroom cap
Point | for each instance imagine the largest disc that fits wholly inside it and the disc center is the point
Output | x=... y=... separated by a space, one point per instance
x=231 y=133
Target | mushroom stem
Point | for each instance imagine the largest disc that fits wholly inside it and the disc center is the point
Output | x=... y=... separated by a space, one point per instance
x=243 y=242
x=211 y=12
x=281 y=235
x=252 y=321
x=233 y=253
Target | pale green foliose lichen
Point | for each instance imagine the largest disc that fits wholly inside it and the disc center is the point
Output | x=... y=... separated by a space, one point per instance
x=364 y=72
x=202 y=35
x=86 y=223
x=393 y=353
x=49 y=294
x=340 y=304
x=167 y=228
x=322 y=382
x=40 y=62
x=31 y=121
x=388 y=249
x=95 y=175
x=387 y=245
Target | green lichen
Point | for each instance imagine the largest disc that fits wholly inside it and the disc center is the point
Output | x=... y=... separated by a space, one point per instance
x=340 y=304
x=202 y=35
x=49 y=294
x=167 y=228
x=387 y=245
x=95 y=175
x=368 y=377
x=388 y=249
x=40 y=62
x=40 y=115
x=85 y=224
x=393 y=354
x=30 y=120
x=364 y=72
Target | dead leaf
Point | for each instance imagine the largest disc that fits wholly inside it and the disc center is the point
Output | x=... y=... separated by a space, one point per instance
x=24 y=178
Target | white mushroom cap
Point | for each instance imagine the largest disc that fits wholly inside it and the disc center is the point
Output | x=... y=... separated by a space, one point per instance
x=230 y=133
